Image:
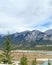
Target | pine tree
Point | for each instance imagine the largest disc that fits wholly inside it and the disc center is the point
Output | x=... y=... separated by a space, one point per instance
x=23 y=60
x=34 y=62
x=7 y=55
x=49 y=62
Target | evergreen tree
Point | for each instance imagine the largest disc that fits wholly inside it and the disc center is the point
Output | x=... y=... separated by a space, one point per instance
x=23 y=60
x=7 y=55
x=49 y=62
x=34 y=62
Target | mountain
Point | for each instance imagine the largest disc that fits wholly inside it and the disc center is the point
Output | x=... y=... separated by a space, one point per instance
x=48 y=32
x=29 y=38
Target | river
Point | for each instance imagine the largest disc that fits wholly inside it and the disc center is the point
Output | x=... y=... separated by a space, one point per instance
x=36 y=51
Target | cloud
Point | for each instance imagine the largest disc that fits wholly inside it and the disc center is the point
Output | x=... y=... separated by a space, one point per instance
x=44 y=26
x=20 y=15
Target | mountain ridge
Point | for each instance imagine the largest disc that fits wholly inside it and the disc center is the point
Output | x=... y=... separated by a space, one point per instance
x=29 y=38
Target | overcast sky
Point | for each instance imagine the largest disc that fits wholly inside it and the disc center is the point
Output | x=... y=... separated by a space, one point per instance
x=21 y=15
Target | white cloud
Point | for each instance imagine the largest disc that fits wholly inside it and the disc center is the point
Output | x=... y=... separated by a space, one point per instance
x=20 y=15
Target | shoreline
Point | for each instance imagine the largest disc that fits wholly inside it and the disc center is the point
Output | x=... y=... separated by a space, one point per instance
x=31 y=51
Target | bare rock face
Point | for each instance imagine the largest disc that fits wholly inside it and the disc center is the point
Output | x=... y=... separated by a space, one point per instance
x=28 y=36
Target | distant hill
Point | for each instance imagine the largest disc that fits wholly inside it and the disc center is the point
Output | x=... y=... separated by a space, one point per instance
x=29 y=38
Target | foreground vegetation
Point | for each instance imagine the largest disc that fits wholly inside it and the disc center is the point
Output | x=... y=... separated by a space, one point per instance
x=7 y=58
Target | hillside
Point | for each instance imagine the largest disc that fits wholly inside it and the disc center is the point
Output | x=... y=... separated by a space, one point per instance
x=29 y=39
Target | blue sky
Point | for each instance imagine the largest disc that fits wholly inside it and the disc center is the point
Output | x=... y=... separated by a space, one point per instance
x=21 y=15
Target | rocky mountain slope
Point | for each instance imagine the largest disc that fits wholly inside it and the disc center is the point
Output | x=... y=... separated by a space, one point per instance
x=31 y=38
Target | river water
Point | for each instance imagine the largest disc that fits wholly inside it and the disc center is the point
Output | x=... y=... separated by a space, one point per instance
x=36 y=51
